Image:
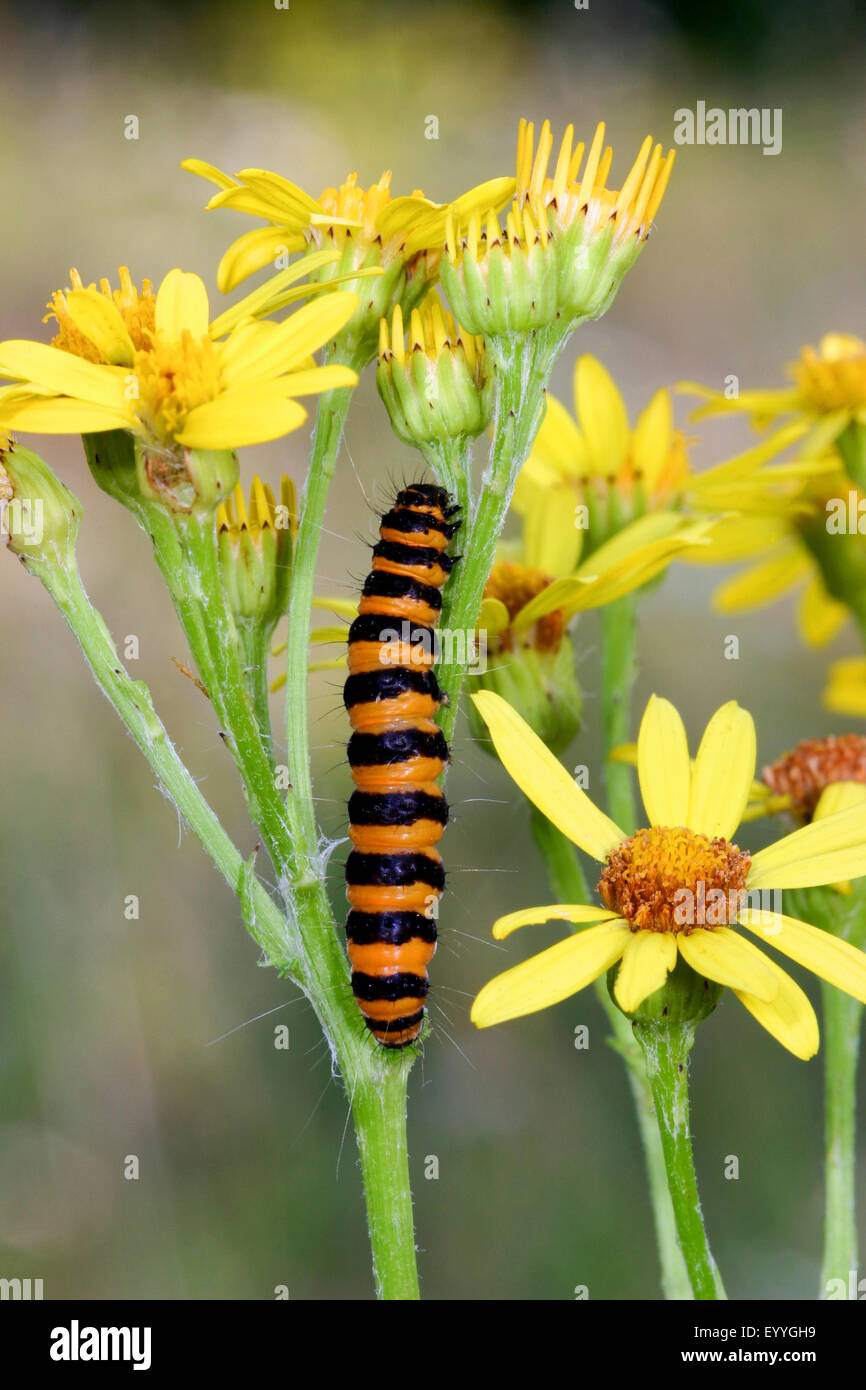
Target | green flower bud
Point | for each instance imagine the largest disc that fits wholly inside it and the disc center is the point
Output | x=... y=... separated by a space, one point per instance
x=181 y=480
x=685 y=997
x=255 y=548
x=541 y=686
x=501 y=282
x=39 y=517
x=186 y=480
x=439 y=385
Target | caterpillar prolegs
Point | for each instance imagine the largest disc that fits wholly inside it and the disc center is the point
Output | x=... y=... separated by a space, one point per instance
x=397 y=813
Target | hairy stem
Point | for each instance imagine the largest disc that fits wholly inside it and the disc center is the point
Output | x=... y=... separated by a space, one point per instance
x=569 y=885
x=523 y=367
x=842 y=1019
x=666 y=1047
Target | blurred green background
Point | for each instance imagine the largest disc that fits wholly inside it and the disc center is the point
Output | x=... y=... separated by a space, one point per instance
x=108 y=1027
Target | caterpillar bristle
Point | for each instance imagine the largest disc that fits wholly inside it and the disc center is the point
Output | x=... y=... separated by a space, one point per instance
x=398 y=812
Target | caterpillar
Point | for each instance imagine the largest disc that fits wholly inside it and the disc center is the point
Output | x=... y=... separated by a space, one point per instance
x=397 y=812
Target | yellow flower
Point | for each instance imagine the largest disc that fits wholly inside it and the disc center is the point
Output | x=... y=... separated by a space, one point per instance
x=678 y=887
x=568 y=240
x=829 y=389
x=601 y=471
x=544 y=578
x=801 y=550
x=398 y=241
x=157 y=367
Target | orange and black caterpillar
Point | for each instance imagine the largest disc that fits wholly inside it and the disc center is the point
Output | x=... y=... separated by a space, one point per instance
x=397 y=813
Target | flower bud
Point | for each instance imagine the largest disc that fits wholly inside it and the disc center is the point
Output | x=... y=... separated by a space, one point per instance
x=38 y=515
x=255 y=548
x=186 y=480
x=685 y=997
x=568 y=239
x=438 y=385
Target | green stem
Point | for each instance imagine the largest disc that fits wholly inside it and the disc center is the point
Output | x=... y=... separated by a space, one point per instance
x=523 y=367
x=569 y=885
x=186 y=550
x=618 y=672
x=666 y=1047
x=374 y=1078
x=330 y=419
x=842 y=915
x=380 y=1122
x=255 y=643
x=133 y=703
x=842 y=1017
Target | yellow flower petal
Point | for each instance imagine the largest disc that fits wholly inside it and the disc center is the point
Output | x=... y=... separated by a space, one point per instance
x=551 y=976
x=60 y=415
x=98 y=318
x=664 y=769
x=182 y=305
x=789 y=1016
x=722 y=955
x=559 y=446
x=819 y=617
x=313 y=325
x=839 y=796
x=845 y=691
x=543 y=779
x=652 y=438
x=602 y=415
x=493 y=617
x=827 y=956
x=800 y=859
x=208 y=171
x=567 y=594
x=51 y=369
x=247 y=415
x=551 y=540
x=533 y=916
x=739 y=537
x=723 y=772
x=318 y=379
x=762 y=583
x=346 y=607
x=274 y=293
x=648 y=959
x=252 y=251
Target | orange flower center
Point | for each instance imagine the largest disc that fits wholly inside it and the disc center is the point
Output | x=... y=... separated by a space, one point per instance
x=172 y=377
x=672 y=880
x=514 y=585
x=814 y=765
x=136 y=307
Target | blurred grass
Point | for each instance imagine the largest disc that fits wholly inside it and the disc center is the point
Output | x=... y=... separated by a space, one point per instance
x=248 y=1175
